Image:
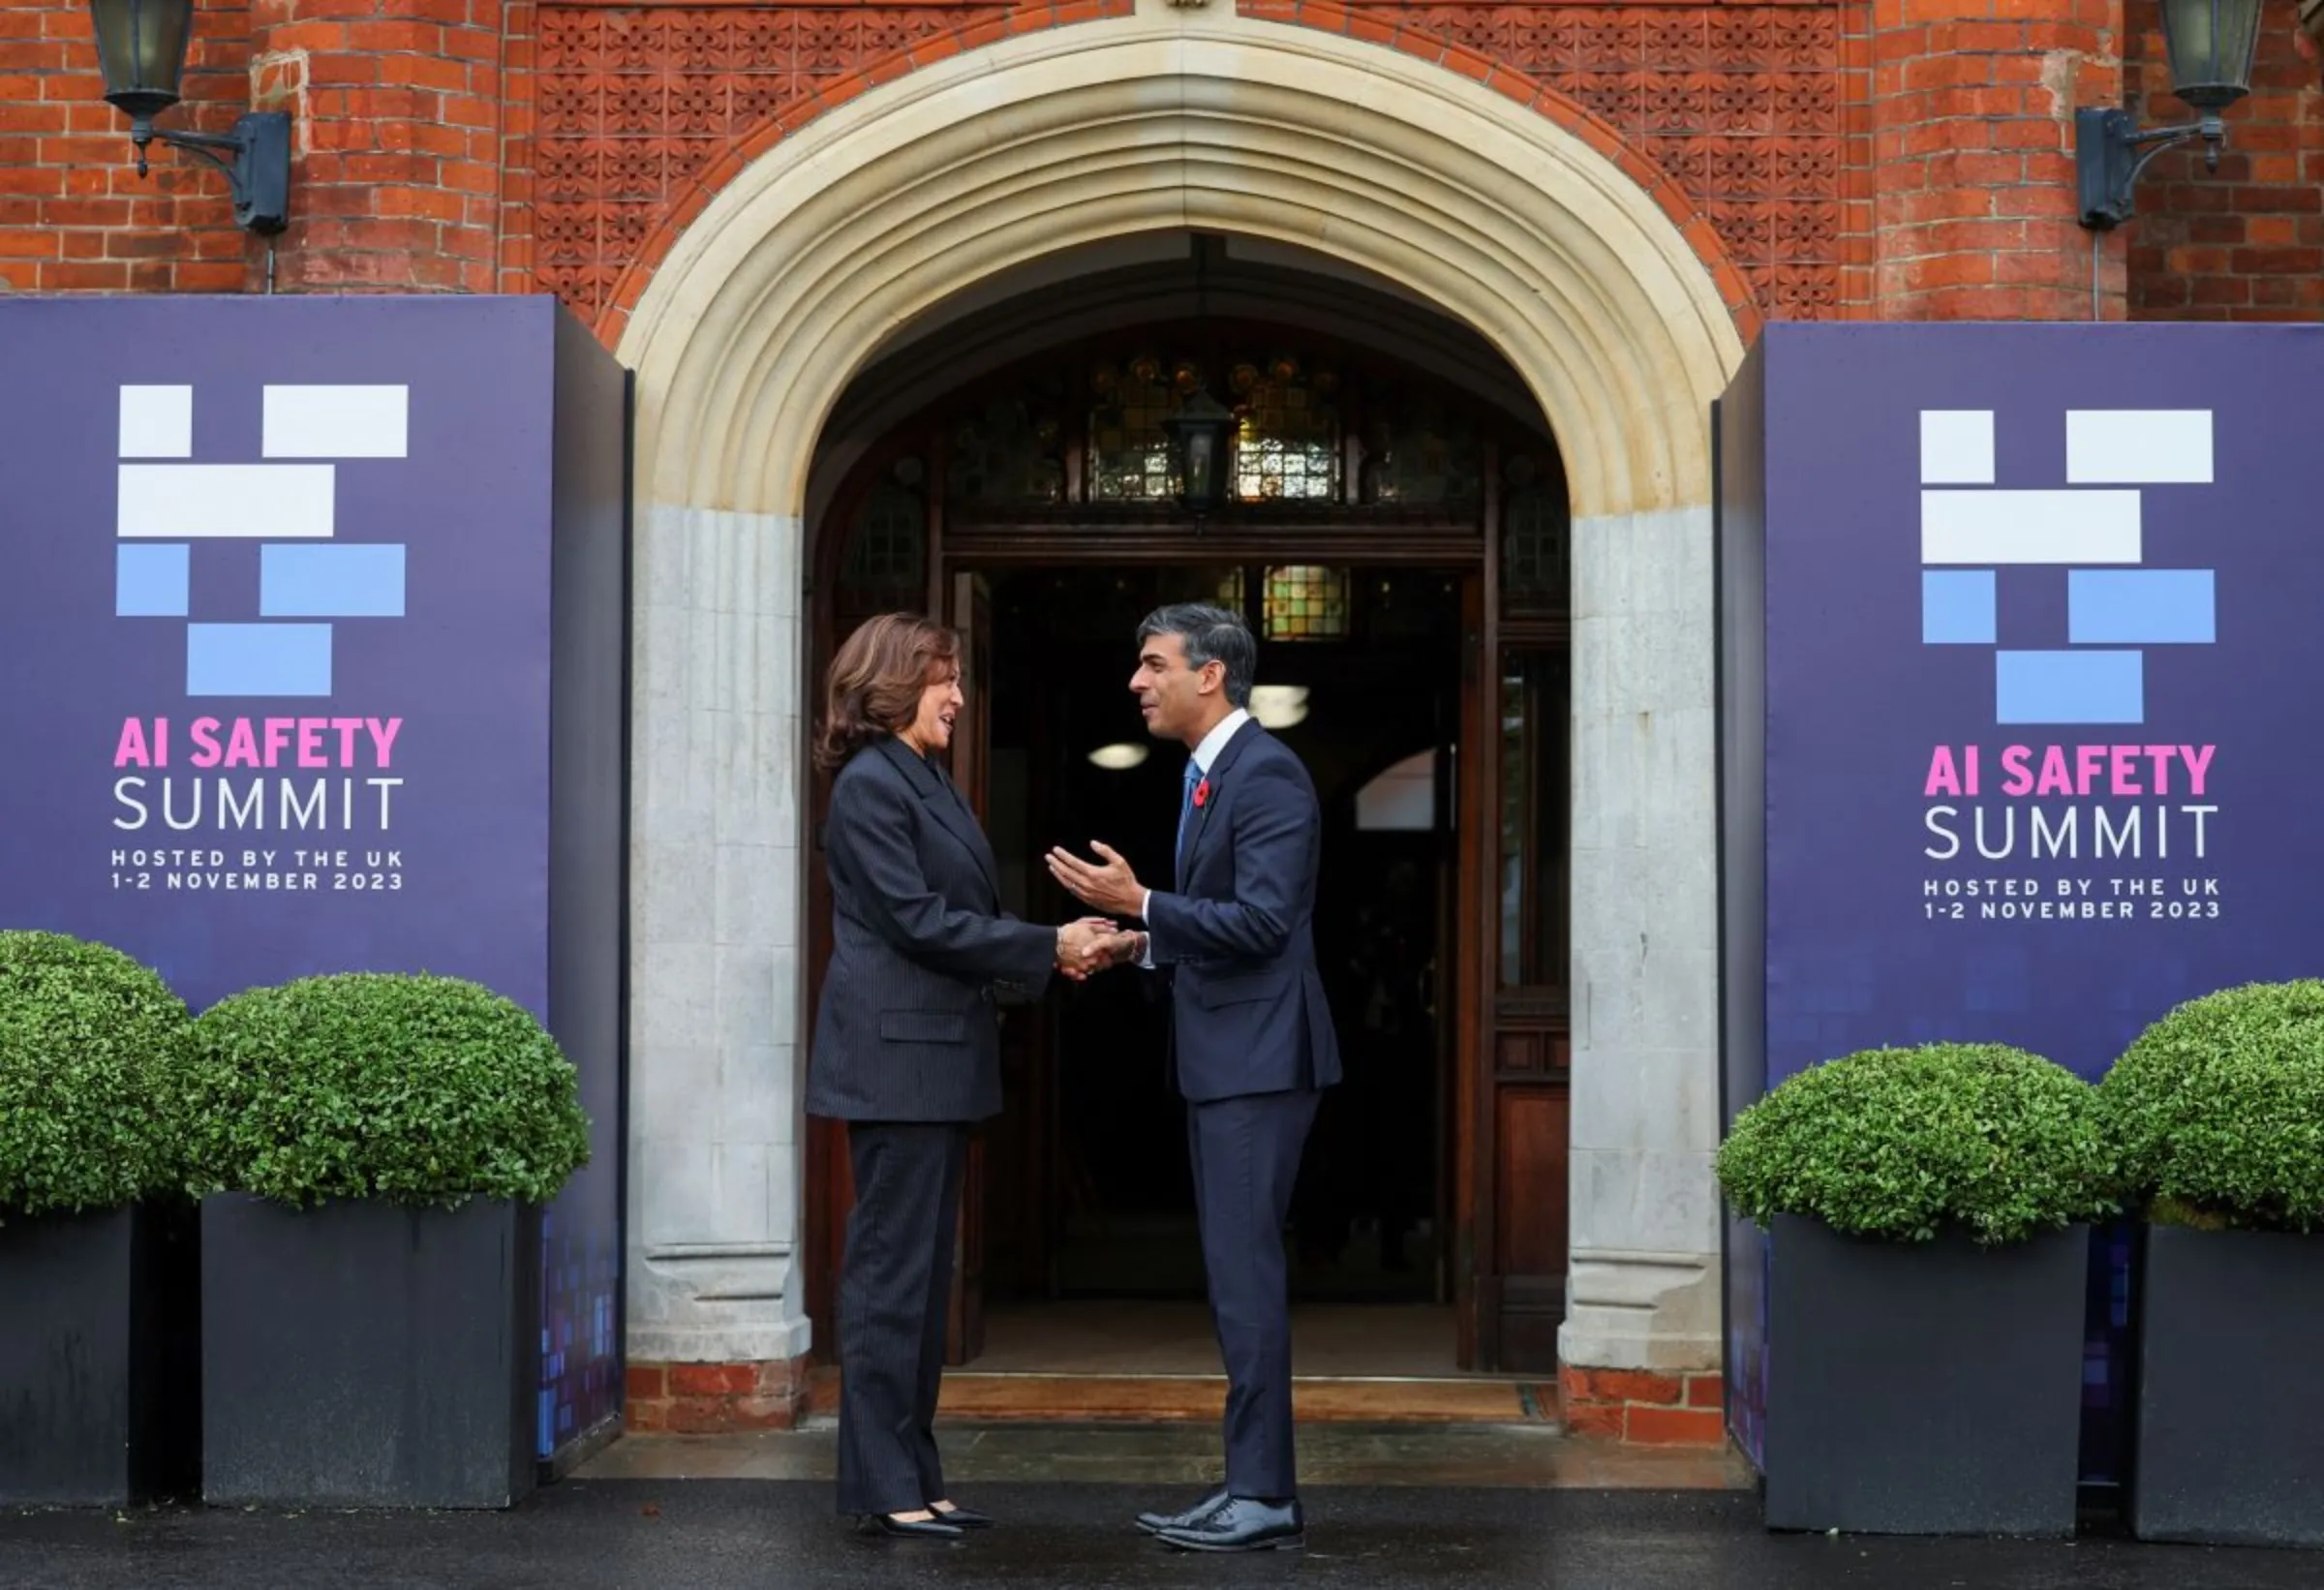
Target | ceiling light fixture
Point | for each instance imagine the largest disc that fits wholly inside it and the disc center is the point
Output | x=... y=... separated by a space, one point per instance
x=1278 y=706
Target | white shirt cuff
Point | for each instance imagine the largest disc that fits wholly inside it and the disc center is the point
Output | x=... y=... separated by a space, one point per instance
x=1146 y=959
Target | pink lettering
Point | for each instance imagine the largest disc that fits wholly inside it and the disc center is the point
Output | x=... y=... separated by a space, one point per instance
x=382 y=737
x=242 y=746
x=2198 y=766
x=131 y=750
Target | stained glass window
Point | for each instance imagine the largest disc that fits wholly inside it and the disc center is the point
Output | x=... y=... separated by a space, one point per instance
x=886 y=563
x=1007 y=454
x=1306 y=601
x=1287 y=444
x=1419 y=453
x=1536 y=533
x=1129 y=451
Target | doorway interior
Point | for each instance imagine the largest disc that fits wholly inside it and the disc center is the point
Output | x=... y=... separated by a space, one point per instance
x=1090 y=1254
x=1394 y=528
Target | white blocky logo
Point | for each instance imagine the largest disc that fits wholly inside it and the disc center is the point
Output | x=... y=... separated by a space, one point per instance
x=166 y=503
x=2093 y=527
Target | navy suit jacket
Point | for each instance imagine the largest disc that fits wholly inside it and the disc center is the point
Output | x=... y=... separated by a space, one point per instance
x=908 y=1026
x=1238 y=937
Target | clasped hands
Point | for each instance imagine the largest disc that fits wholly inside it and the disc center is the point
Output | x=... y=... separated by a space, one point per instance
x=1093 y=943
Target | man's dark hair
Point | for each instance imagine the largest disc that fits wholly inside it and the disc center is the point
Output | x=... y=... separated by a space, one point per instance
x=1210 y=635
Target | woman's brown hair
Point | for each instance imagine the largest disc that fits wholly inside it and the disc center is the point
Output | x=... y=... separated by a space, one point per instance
x=875 y=682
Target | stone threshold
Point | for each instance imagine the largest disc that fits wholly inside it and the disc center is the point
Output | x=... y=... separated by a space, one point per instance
x=1006 y=1397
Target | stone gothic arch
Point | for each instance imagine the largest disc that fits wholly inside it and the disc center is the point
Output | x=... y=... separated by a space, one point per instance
x=1523 y=226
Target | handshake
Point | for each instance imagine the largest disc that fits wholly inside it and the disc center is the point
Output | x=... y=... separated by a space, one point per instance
x=1092 y=944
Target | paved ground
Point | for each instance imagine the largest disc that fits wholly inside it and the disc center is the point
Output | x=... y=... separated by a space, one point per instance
x=780 y=1534
x=1536 y=1456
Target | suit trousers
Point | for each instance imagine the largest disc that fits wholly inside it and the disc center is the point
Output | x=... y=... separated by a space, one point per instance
x=894 y=1286
x=1245 y=1156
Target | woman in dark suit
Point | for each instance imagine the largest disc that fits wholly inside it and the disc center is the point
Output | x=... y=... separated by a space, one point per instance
x=908 y=1045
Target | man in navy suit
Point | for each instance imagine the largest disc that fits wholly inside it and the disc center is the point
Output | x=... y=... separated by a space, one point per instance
x=1252 y=1040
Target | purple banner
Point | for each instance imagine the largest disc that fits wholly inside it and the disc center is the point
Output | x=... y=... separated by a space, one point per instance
x=275 y=618
x=274 y=606
x=2036 y=615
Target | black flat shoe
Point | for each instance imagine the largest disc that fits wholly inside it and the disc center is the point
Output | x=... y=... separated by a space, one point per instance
x=1153 y=1523
x=909 y=1529
x=1244 y=1525
x=962 y=1518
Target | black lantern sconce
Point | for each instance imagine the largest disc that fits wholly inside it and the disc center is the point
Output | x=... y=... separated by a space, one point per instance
x=2211 y=44
x=141 y=48
x=1197 y=438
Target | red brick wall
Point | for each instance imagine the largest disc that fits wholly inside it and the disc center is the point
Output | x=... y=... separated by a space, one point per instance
x=1972 y=108
x=75 y=216
x=2246 y=242
x=1645 y=1408
x=1898 y=157
x=398 y=108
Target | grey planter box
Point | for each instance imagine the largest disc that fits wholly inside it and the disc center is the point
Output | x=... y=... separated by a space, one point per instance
x=368 y=1355
x=1924 y=1389
x=100 y=1398
x=2230 y=1431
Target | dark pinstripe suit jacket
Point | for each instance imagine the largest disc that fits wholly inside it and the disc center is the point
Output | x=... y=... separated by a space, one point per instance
x=908 y=1027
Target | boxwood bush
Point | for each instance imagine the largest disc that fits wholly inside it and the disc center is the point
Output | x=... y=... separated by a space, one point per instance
x=1902 y=1144
x=2218 y=1108
x=416 y=1090
x=92 y=1051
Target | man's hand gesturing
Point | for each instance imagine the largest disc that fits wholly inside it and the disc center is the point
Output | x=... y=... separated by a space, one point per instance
x=1110 y=886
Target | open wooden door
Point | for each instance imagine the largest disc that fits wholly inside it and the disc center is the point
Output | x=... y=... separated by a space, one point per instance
x=969 y=611
x=1513 y=1077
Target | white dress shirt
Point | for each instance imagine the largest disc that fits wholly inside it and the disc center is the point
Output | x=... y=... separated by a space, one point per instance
x=1203 y=755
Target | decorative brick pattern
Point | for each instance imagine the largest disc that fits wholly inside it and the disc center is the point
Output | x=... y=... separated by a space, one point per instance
x=1645 y=1409
x=713 y=1399
x=630 y=105
x=2245 y=242
x=1744 y=106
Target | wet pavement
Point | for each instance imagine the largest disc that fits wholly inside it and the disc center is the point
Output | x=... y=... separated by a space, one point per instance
x=778 y=1535
x=1536 y=1456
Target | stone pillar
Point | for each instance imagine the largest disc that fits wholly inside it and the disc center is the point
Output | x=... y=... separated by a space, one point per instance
x=395 y=171
x=716 y=1323
x=1643 y=1281
x=1972 y=104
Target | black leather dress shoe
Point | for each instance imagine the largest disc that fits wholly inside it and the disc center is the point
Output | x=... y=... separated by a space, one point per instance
x=1242 y=1525
x=962 y=1518
x=909 y=1529
x=1155 y=1522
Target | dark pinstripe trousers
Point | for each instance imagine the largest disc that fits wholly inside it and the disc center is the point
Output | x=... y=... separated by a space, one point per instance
x=895 y=1285
x=1245 y=1158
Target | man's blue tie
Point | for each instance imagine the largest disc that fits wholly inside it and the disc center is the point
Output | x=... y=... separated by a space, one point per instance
x=1194 y=777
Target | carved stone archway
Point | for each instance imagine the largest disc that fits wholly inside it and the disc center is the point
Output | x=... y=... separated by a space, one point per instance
x=773 y=299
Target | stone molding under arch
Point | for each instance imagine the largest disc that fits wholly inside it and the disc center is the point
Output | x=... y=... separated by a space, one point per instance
x=1621 y=319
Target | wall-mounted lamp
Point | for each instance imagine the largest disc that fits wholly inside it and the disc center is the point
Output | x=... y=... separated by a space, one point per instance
x=2211 y=43
x=142 y=48
x=1197 y=436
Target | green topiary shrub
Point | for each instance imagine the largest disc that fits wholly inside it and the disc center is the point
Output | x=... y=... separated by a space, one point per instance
x=1900 y=1143
x=416 y=1090
x=2218 y=1109
x=92 y=1051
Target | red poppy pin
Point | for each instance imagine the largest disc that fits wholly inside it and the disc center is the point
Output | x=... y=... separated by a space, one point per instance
x=1202 y=792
